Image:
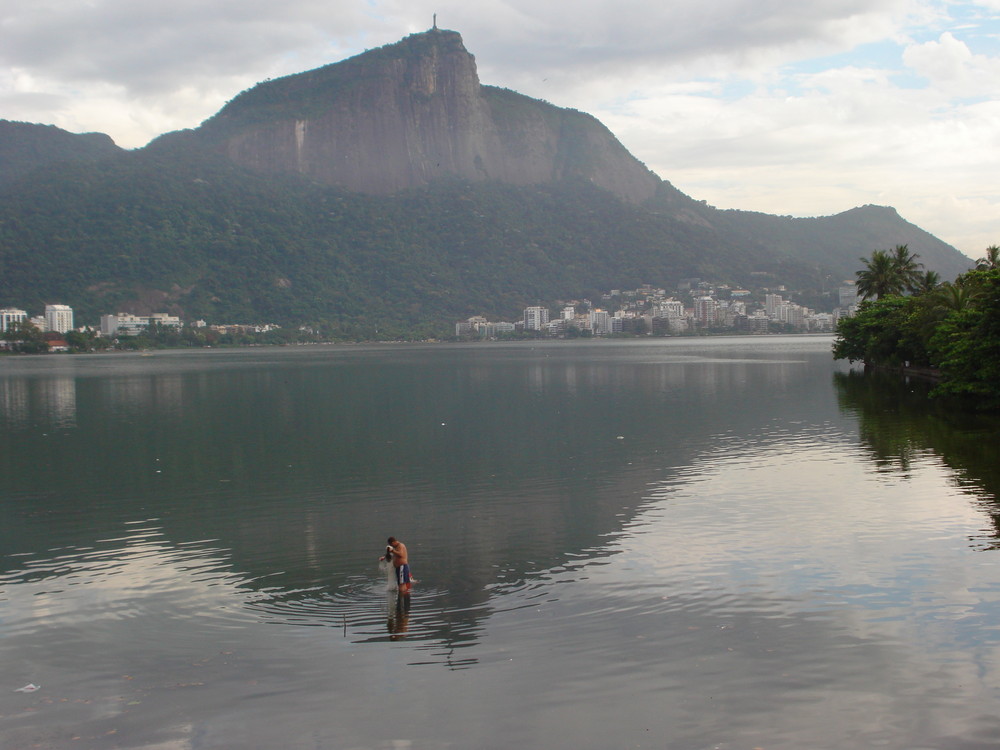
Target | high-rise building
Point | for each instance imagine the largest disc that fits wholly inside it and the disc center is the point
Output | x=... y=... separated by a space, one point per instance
x=9 y=315
x=59 y=318
x=705 y=309
x=600 y=322
x=847 y=295
x=535 y=318
x=772 y=302
x=758 y=322
x=669 y=308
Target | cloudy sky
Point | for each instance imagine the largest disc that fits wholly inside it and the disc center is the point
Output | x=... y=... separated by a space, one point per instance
x=806 y=108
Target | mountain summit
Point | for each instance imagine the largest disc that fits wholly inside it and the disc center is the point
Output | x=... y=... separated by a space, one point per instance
x=387 y=195
x=402 y=115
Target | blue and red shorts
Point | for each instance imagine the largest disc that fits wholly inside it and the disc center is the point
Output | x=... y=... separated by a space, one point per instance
x=403 y=574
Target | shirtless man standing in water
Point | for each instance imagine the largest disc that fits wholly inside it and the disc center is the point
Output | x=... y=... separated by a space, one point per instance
x=401 y=562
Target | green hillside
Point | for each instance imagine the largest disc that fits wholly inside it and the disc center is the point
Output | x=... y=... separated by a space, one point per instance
x=177 y=228
x=173 y=229
x=294 y=236
x=24 y=147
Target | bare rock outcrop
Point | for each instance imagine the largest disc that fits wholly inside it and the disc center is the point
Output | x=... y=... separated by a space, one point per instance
x=408 y=113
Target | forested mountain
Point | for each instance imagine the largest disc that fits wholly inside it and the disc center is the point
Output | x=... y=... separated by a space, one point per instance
x=391 y=191
x=24 y=147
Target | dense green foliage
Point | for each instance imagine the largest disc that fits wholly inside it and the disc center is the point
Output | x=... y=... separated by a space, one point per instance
x=26 y=146
x=953 y=330
x=178 y=229
x=175 y=227
x=890 y=272
x=830 y=244
x=24 y=338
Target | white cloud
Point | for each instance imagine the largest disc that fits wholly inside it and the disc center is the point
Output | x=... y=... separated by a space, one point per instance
x=949 y=64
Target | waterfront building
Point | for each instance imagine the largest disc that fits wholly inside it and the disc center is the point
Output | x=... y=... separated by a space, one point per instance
x=10 y=315
x=557 y=326
x=163 y=319
x=535 y=318
x=820 y=322
x=705 y=311
x=127 y=324
x=772 y=303
x=600 y=322
x=843 y=312
x=792 y=314
x=470 y=325
x=495 y=330
x=758 y=322
x=669 y=308
x=848 y=295
x=59 y=318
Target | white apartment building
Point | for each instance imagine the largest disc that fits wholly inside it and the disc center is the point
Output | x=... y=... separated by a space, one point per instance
x=821 y=322
x=471 y=324
x=535 y=318
x=9 y=315
x=59 y=318
x=758 y=322
x=847 y=295
x=705 y=311
x=668 y=308
x=772 y=303
x=792 y=314
x=600 y=322
x=127 y=324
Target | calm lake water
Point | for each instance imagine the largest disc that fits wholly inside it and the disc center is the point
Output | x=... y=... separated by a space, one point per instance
x=683 y=544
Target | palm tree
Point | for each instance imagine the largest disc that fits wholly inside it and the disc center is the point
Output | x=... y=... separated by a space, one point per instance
x=906 y=265
x=890 y=272
x=880 y=276
x=954 y=297
x=926 y=282
x=991 y=261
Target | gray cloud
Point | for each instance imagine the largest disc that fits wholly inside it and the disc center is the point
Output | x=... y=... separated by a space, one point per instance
x=151 y=47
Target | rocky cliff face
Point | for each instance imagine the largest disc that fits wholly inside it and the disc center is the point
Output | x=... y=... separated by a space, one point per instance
x=402 y=115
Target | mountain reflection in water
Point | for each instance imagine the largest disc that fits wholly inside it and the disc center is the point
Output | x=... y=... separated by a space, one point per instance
x=685 y=544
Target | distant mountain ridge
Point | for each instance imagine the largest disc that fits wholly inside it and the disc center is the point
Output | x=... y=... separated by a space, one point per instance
x=24 y=147
x=391 y=188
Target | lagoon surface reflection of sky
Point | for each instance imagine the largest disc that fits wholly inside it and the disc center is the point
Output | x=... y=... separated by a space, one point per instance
x=622 y=545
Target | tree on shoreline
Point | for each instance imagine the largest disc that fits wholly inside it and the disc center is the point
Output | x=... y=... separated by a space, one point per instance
x=24 y=337
x=951 y=328
x=889 y=272
x=905 y=264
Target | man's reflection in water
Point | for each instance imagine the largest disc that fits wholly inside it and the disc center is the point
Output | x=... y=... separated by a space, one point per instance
x=398 y=621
